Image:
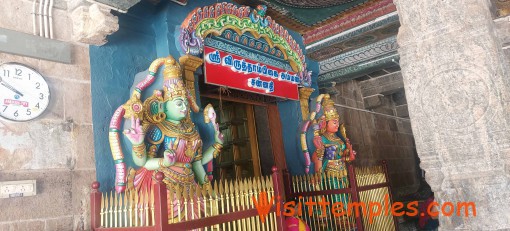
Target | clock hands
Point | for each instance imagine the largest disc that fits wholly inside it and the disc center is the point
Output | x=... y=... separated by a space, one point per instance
x=8 y=86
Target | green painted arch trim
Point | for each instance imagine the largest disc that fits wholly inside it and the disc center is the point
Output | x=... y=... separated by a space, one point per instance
x=217 y=25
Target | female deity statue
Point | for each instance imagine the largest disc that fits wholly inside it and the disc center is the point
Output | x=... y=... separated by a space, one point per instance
x=163 y=137
x=332 y=148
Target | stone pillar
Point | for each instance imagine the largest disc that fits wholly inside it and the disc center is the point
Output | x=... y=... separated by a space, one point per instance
x=458 y=92
x=190 y=64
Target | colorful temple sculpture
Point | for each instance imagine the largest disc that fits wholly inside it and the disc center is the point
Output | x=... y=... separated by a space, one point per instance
x=164 y=145
x=163 y=137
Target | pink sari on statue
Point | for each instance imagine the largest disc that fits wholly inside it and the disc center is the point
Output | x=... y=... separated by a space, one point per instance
x=178 y=175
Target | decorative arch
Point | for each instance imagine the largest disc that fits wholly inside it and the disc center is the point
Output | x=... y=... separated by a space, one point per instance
x=216 y=18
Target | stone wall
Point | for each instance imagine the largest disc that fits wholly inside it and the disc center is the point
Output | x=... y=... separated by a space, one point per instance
x=55 y=149
x=377 y=137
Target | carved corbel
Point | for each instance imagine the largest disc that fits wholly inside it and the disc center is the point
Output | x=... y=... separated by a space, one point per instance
x=190 y=64
x=304 y=96
x=91 y=24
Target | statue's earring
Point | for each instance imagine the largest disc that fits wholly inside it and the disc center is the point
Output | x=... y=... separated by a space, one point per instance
x=160 y=115
x=158 y=118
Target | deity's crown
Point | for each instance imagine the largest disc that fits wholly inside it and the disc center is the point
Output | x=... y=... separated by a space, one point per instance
x=329 y=109
x=173 y=85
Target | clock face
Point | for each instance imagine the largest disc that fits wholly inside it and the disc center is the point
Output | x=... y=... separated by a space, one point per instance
x=24 y=93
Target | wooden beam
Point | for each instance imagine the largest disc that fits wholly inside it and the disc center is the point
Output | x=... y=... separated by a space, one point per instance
x=254 y=144
x=275 y=131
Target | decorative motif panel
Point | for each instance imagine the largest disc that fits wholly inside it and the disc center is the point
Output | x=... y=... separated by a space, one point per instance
x=355 y=39
x=217 y=18
x=366 y=53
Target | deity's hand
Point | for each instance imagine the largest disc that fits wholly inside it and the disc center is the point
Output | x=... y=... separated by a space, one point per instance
x=135 y=134
x=352 y=153
x=218 y=137
x=169 y=157
x=317 y=141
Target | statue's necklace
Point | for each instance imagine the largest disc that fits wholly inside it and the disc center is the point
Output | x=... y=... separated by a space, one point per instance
x=181 y=131
x=181 y=127
x=332 y=137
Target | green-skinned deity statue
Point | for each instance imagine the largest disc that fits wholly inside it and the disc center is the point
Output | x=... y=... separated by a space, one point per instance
x=162 y=135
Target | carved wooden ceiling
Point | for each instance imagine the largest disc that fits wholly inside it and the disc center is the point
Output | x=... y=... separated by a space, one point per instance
x=349 y=38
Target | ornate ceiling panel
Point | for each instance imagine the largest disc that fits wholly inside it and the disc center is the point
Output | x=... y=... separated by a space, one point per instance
x=363 y=54
x=304 y=17
x=368 y=14
x=360 y=69
x=353 y=40
x=349 y=38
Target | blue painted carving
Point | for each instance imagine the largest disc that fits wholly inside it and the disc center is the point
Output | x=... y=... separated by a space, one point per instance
x=251 y=42
x=363 y=54
x=354 y=71
x=229 y=42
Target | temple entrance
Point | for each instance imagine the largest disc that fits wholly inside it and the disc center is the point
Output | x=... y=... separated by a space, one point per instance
x=248 y=148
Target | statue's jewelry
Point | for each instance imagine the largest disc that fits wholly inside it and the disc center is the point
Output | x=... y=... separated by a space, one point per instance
x=217 y=149
x=217 y=146
x=320 y=153
x=152 y=150
x=329 y=109
x=206 y=183
x=182 y=165
x=161 y=164
x=158 y=118
x=216 y=153
x=181 y=130
x=190 y=151
x=332 y=137
x=186 y=178
x=139 y=150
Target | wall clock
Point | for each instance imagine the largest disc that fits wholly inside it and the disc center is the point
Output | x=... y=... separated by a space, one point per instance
x=24 y=93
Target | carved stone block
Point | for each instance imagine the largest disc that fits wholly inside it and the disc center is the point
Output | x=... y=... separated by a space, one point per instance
x=92 y=24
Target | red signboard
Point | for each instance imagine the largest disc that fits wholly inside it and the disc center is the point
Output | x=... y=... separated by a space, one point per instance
x=224 y=69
